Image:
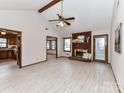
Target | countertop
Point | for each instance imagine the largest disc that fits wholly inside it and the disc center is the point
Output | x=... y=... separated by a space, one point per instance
x=6 y=49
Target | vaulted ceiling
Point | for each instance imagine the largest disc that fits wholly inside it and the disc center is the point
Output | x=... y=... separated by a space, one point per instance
x=22 y=4
x=93 y=15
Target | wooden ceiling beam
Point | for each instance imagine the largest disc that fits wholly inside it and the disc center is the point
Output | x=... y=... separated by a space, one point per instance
x=52 y=3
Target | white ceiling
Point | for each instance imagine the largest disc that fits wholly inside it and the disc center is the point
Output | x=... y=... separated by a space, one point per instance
x=90 y=14
x=22 y=4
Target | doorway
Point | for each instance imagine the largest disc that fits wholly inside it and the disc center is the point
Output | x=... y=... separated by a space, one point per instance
x=10 y=47
x=52 y=47
x=100 y=48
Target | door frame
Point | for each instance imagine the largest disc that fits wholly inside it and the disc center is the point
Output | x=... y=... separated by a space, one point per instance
x=56 y=46
x=106 y=48
x=19 y=34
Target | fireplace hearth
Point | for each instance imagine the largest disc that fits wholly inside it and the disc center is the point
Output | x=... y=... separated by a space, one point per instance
x=79 y=52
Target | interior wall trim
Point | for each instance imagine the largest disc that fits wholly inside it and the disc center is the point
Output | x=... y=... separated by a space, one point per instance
x=34 y=64
x=115 y=78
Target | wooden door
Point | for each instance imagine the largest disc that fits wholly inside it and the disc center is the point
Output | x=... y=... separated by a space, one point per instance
x=100 y=49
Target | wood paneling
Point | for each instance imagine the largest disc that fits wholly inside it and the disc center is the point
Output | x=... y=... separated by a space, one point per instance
x=11 y=38
x=85 y=45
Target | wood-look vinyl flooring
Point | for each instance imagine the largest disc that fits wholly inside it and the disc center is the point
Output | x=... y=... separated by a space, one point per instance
x=58 y=76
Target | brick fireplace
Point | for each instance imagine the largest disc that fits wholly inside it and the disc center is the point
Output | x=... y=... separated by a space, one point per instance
x=81 y=43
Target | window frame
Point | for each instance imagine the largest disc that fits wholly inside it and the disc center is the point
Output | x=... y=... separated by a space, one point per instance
x=6 y=42
x=64 y=44
x=50 y=44
x=48 y=41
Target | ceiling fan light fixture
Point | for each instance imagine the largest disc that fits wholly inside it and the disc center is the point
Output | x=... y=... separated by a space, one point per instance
x=61 y=24
x=62 y=21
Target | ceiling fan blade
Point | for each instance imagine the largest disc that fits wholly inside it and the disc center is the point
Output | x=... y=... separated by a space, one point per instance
x=60 y=17
x=67 y=23
x=53 y=20
x=71 y=18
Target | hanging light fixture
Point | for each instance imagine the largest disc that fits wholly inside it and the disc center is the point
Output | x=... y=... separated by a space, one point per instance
x=61 y=22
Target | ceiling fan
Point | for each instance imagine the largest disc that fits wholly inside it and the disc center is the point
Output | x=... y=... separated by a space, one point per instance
x=62 y=21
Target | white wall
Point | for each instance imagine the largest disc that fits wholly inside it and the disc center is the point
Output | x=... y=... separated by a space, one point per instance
x=117 y=60
x=32 y=25
x=67 y=54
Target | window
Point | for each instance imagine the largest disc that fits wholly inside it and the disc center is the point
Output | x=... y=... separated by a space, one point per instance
x=51 y=44
x=48 y=44
x=67 y=44
x=3 y=42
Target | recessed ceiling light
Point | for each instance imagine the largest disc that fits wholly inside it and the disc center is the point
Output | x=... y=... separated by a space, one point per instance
x=3 y=33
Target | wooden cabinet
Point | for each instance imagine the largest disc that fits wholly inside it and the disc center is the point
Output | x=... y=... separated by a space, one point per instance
x=3 y=55
x=12 y=41
x=6 y=54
